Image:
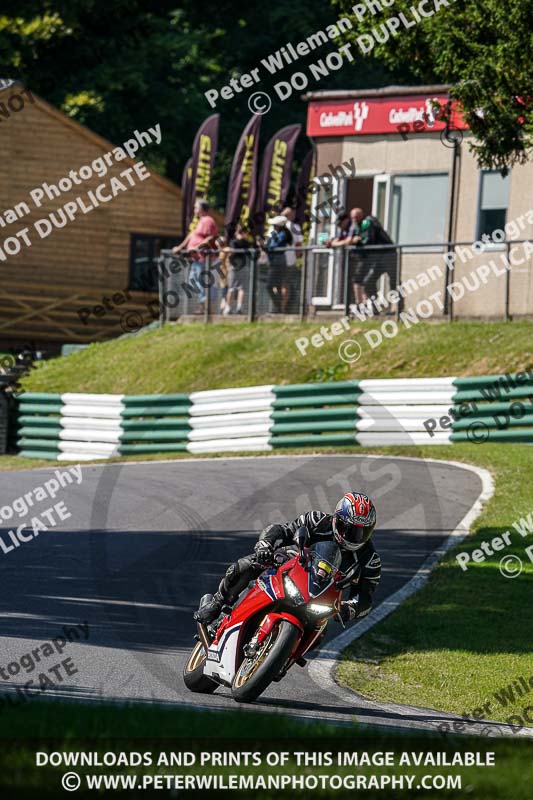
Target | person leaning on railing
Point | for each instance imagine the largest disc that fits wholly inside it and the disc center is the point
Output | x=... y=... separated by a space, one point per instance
x=200 y=239
x=343 y=223
x=366 y=268
x=376 y=262
x=349 y=235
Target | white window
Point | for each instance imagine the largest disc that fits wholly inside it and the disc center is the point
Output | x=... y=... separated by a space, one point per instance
x=493 y=203
x=419 y=208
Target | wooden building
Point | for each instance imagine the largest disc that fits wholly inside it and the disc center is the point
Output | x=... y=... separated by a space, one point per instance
x=107 y=241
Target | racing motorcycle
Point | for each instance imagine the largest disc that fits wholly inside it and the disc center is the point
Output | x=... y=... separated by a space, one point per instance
x=277 y=621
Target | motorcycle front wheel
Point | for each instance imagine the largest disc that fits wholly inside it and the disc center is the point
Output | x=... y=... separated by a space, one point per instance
x=193 y=672
x=257 y=672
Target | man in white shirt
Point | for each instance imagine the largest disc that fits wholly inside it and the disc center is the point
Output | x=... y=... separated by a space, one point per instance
x=291 y=255
x=297 y=237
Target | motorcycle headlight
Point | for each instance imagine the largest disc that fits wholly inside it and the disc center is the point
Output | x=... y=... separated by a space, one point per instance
x=319 y=609
x=292 y=591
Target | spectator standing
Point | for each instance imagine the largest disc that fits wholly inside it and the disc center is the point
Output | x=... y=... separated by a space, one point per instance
x=237 y=263
x=277 y=272
x=297 y=236
x=197 y=242
x=292 y=255
x=362 y=229
x=368 y=230
x=349 y=235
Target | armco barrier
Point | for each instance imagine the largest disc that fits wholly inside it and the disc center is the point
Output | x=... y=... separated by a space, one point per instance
x=311 y=414
x=497 y=408
x=260 y=418
x=393 y=411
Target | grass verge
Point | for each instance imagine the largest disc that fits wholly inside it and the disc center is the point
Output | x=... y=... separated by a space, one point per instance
x=186 y=358
x=454 y=645
x=11 y=462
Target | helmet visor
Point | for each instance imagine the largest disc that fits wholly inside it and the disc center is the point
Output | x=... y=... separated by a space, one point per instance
x=354 y=536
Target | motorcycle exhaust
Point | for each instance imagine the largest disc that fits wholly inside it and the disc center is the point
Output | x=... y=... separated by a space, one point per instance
x=204 y=636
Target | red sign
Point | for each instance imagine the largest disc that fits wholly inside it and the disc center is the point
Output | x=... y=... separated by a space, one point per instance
x=378 y=115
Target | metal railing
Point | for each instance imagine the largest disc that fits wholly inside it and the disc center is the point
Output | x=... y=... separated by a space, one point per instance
x=256 y=285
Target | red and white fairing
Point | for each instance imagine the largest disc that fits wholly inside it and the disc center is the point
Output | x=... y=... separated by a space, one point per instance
x=261 y=608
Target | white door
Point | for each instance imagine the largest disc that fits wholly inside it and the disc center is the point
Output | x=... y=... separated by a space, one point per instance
x=327 y=201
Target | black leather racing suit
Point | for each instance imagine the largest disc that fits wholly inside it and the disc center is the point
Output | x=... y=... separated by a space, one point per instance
x=363 y=567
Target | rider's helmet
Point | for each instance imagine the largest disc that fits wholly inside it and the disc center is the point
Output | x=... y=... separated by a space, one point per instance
x=354 y=520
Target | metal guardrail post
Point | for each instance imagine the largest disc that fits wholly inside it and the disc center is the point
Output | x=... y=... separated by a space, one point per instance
x=167 y=284
x=448 y=299
x=252 y=287
x=207 y=309
x=165 y=307
x=346 y=280
x=303 y=287
x=507 y=283
x=161 y=278
x=400 y=303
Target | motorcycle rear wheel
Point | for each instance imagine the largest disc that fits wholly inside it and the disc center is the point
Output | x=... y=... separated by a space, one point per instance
x=193 y=672
x=258 y=672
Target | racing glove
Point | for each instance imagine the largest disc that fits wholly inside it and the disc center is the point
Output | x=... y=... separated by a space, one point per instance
x=263 y=552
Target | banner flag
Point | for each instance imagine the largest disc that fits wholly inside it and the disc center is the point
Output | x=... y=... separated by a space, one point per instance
x=242 y=186
x=304 y=195
x=275 y=179
x=204 y=151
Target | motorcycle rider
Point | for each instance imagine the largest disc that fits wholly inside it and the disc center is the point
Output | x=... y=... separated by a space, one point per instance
x=350 y=526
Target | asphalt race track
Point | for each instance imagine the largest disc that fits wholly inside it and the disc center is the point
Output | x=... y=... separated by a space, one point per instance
x=146 y=540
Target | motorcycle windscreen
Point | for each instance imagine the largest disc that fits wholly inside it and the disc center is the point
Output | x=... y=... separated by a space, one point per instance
x=326 y=559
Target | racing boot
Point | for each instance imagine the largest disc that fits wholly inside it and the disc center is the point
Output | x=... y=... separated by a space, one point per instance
x=210 y=608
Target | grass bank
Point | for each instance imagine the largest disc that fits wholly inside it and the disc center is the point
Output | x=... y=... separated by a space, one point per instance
x=183 y=358
x=465 y=636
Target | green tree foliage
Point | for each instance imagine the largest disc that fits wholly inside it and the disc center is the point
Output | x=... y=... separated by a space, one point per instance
x=482 y=48
x=115 y=67
x=122 y=65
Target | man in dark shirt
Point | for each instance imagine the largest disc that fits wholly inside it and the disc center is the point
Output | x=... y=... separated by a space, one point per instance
x=237 y=276
x=368 y=230
x=367 y=267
